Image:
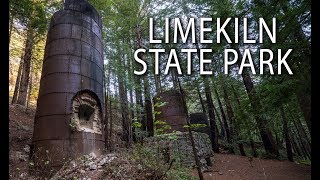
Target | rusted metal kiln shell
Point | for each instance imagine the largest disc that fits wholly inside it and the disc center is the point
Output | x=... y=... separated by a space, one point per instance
x=172 y=112
x=70 y=107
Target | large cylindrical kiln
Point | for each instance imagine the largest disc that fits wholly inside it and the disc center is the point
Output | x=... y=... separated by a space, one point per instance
x=70 y=107
x=173 y=112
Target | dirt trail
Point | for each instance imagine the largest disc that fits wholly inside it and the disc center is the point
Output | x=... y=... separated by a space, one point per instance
x=234 y=167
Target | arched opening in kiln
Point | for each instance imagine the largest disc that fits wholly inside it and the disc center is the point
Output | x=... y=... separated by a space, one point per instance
x=86 y=112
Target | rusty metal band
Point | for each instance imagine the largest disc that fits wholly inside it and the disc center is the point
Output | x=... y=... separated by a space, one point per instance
x=36 y=117
x=71 y=73
x=101 y=54
x=57 y=24
x=45 y=94
x=101 y=68
x=56 y=93
x=77 y=40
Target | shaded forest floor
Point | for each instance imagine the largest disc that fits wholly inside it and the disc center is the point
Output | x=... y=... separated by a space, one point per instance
x=226 y=166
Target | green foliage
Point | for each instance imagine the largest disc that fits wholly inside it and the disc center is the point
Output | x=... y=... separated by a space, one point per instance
x=136 y=124
x=195 y=126
x=305 y=162
x=150 y=158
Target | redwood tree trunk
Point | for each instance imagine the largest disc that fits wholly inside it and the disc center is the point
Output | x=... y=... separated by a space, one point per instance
x=222 y=131
x=201 y=100
x=148 y=107
x=265 y=132
x=17 y=85
x=126 y=125
x=286 y=134
x=22 y=96
x=111 y=125
x=224 y=118
x=214 y=134
x=233 y=127
x=253 y=148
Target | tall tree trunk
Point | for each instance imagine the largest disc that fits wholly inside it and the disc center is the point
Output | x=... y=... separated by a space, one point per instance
x=148 y=107
x=253 y=148
x=222 y=131
x=10 y=27
x=214 y=134
x=194 y=150
x=224 y=118
x=106 y=103
x=233 y=126
x=300 y=127
x=252 y=145
x=304 y=103
x=201 y=100
x=106 y=119
x=138 y=89
x=295 y=145
x=17 y=85
x=29 y=92
x=126 y=126
x=157 y=79
x=304 y=144
x=265 y=132
x=132 y=116
x=26 y=69
x=111 y=125
x=286 y=134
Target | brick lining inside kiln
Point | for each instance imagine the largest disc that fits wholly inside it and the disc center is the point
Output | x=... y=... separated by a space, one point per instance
x=86 y=114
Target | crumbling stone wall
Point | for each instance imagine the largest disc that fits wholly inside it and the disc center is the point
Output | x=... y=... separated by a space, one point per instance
x=178 y=146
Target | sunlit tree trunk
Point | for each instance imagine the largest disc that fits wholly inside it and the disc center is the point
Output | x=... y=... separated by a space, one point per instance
x=22 y=96
x=17 y=85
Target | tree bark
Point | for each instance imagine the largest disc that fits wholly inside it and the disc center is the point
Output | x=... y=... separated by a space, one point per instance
x=29 y=92
x=233 y=126
x=236 y=96
x=214 y=135
x=253 y=148
x=148 y=107
x=17 y=85
x=286 y=134
x=201 y=100
x=224 y=118
x=194 y=150
x=304 y=144
x=106 y=120
x=10 y=27
x=22 y=96
x=222 y=131
x=265 y=132
x=111 y=125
